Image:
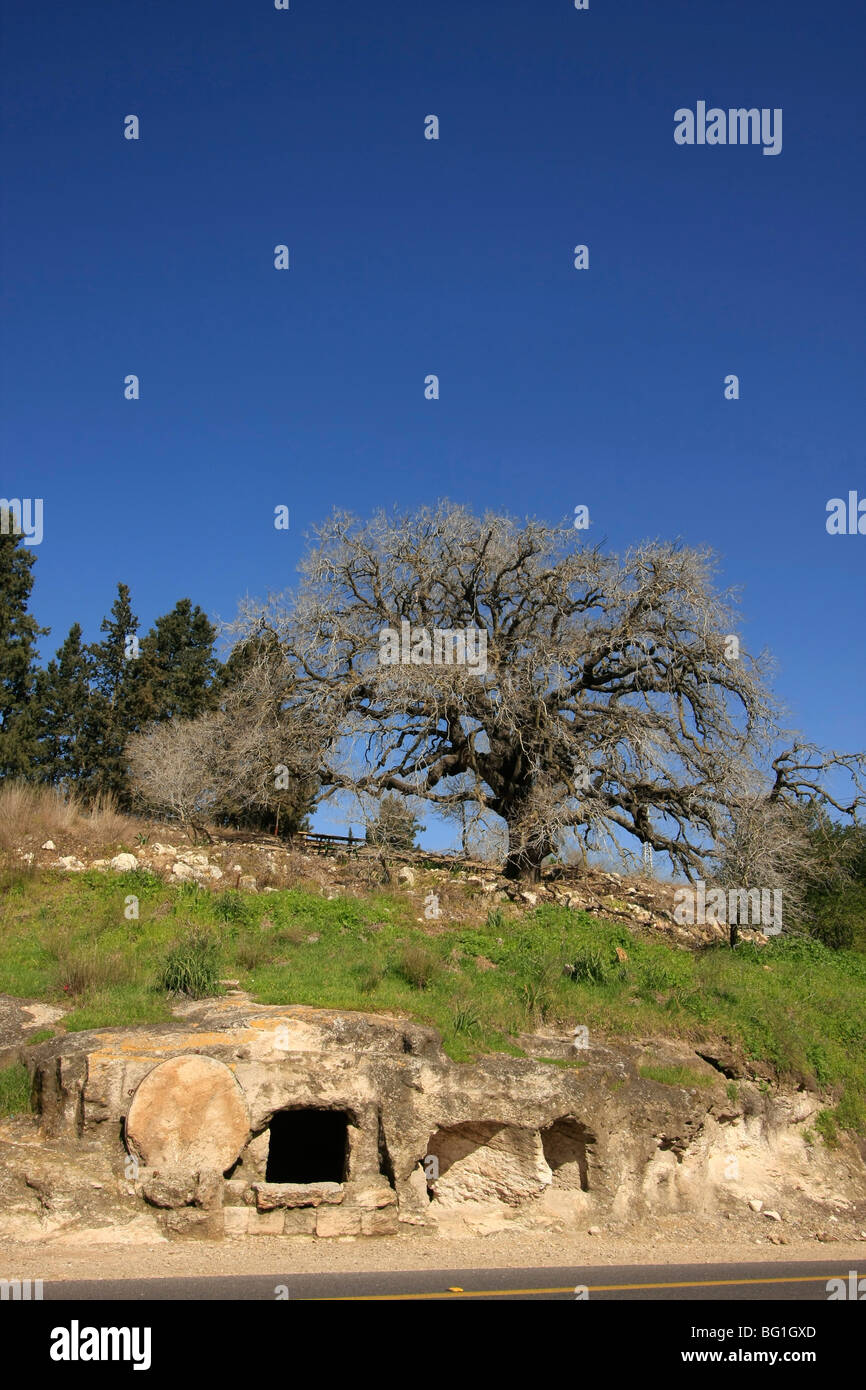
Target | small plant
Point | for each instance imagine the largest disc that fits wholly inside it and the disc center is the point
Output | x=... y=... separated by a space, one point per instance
x=369 y=978
x=591 y=966
x=537 y=998
x=732 y=1091
x=825 y=1124
x=496 y=919
x=14 y=1089
x=465 y=1018
x=88 y=970
x=253 y=950
x=417 y=966
x=230 y=906
x=142 y=838
x=192 y=967
x=40 y=1036
x=657 y=976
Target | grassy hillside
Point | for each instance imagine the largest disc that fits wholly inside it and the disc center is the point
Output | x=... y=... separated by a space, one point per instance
x=793 y=1008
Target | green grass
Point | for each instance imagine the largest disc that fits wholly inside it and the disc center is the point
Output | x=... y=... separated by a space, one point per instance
x=794 y=1005
x=14 y=1089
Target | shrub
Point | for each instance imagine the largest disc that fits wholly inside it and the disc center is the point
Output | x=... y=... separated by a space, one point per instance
x=825 y=1124
x=192 y=967
x=417 y=966
x=230 y=906
x=593 y=966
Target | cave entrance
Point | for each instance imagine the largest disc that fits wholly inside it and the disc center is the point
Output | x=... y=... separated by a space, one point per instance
x=567 y=1146
x=308 y=1146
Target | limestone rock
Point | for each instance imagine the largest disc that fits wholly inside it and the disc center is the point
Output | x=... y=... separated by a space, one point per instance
x=170 y=1187
x=71 y=864
x=333 y=1221
x=206 y=1225
x=370 y=1198
x=188 y=1112
x=209 y=1189
x=270 y=1195
x=124 y=863
x=265 y=1223
x=489 y=1163
x=406 y=876
x=383 y=1222
x=49 y=844
x=301 y=1222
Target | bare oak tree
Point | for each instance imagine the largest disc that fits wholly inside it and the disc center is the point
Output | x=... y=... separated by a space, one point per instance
x=613 y=699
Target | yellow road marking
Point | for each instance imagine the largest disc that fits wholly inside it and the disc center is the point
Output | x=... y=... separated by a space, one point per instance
x=592 y=1288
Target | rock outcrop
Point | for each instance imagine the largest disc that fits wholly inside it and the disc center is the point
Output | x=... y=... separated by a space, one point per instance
x=244 y=1119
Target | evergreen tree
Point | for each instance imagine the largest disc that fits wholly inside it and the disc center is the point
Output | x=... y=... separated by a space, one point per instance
x=116 y=704
x=254 y=687
x=395 y=826
x=18 y=635
x=176 y=672
x=66 y=750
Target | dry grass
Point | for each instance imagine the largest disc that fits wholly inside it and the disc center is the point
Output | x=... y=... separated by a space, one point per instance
x=30 y=815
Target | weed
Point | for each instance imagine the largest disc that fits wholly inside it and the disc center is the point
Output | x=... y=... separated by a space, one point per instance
x=825 y=1124
x=417 y=966
x=192 y=967
x=465 y=1018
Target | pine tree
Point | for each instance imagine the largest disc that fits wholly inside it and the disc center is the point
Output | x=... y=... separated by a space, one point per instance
x=18 y=635
x=176 y=672
x=115 y=705
x=66 y=749
x=256 y=670
x=395 y=825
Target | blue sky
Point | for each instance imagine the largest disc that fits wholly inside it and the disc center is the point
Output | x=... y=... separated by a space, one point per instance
x=454 y=257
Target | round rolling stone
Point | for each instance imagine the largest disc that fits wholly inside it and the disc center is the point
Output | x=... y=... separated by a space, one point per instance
x=189 y=1112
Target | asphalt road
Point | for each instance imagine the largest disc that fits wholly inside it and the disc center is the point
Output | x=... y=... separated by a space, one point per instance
x=800 y=1282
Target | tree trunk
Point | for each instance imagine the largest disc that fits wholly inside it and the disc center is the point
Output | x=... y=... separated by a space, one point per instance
x=524 y=861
